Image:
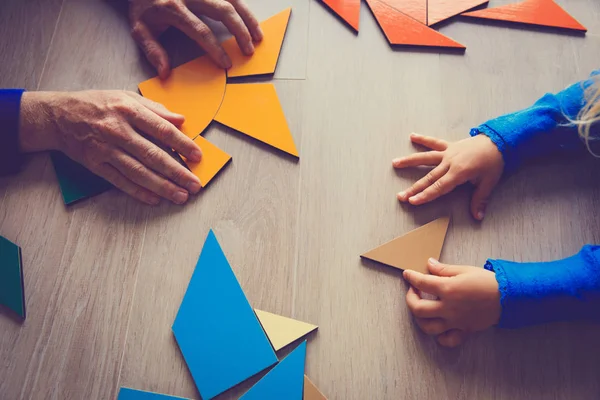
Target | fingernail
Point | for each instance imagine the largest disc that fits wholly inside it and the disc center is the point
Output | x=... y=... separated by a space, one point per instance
x=196 y=155
x=414 y=134
x=153 y=200
x=180 y=197
x=433 y=261
x=226 y=61
x=249 y=49
x=406 y=274
x=260 y=34
x=402 y=196
x=396 y=161
x=480 y=215
x=415 y=198
x=194 y=186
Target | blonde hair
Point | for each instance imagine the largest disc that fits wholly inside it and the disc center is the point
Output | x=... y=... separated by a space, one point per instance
x=589 y=115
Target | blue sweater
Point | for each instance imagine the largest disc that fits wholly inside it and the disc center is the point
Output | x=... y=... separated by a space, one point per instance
x=569 y=289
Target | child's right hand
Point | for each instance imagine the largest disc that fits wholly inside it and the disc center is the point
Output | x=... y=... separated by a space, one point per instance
x=476 y=160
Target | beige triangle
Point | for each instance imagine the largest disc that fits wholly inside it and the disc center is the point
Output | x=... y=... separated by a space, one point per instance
x=311 y=392
x=281 y=330
x=412 y=250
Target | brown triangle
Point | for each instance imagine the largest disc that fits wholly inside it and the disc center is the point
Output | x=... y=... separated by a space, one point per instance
x=311 y=392
x=412 y=250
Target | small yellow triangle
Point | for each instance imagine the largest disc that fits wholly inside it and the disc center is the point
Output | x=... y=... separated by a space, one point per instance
x=311 y=392
x=281 y=330
x=412 y=250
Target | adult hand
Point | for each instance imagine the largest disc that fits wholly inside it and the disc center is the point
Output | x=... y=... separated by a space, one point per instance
x=476 y=160
x=468 y=301
x=149 y=18
x=112 y=133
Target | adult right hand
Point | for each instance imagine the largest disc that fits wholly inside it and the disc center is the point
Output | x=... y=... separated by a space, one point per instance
x=112 y=133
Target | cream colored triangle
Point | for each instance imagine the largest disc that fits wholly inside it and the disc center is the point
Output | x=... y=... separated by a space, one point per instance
x=281 y=330
x=412 y=250
x=311 y=392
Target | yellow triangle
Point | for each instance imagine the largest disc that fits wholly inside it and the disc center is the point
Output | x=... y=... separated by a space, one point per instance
x=412 y=250
x=281 y=330
x=266 y=52
x=311 y=392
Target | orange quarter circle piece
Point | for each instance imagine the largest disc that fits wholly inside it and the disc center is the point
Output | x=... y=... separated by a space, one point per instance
x=441 y=10
x=347 y=10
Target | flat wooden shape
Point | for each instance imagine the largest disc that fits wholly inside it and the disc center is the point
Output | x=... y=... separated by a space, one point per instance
x=213 y=160
x=134 y=394
x=194 y=90
x=281 y=330
x=416 y=9
x=532 y=12
x=254 y=109
x=347 y=10
x=441 y=10
x=412 y=250
x=266 y=52
x=12 y=289
x=311 y=392
x=401 y=29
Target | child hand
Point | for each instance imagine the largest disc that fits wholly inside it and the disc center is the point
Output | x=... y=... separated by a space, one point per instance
x=469 y=301
x=476 y=160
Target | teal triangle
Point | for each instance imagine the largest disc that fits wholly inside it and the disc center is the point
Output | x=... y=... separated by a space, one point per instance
x=216 y=329
x=134 y=394
x=12 y=291
x=285 y=381
x=76 y=182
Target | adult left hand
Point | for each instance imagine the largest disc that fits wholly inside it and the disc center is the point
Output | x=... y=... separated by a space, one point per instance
x=150 y=18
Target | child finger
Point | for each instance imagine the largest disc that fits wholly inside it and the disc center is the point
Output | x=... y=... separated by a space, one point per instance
x=423 y=308
x=426 y=283
x=423 y=183
x=428 y=141
x=440 y=187
x=429 y=158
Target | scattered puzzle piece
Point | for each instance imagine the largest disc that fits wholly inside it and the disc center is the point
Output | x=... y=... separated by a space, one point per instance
x=213 y=160
x=266 y=52
x=284 y=381
x=347 y=10
x=412 y=250
x=311 y=392
x=134 y=394
x=441 y=10
x=254 y=109
x=416 y=9
x=217 y=331
x=401 y=29
x=12 y=289
x=532 y=12
x=281 y=330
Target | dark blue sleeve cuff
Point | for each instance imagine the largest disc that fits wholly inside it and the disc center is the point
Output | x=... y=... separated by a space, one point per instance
x=11 y=158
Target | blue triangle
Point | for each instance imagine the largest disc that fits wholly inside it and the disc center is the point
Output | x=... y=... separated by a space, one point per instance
x=285 y=381
x=133 y=394
x=216 y=329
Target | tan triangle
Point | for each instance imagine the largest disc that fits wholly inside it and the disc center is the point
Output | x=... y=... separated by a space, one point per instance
x=311 y=392
x=412 y=250
x=281 y=330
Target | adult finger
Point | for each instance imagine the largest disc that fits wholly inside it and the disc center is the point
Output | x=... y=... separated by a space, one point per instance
x=481 y=197
x=249 y=19
x=432 y=326
x=428 y=158
x=423 y=183
x=428 y=141
x=153 y=50
x=159 y=109
x=442 y=186
x=112 y=175
x=426 y=283
x=439 y=269
x=452 y=338
x=422 y=308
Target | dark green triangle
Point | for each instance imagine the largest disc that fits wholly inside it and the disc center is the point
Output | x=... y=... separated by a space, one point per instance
x=12 y=291
x=76 y=181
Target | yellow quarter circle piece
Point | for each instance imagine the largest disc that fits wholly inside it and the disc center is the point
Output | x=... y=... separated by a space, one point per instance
x=281 y=330
x=311 y=392
x=254 y=109
x=194 y=90
x=213 y=160
x=266 y=52
x=412 y=250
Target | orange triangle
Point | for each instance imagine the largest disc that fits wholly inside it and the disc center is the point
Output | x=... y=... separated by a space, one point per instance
x=254 y=109
x=412 y=250
x=266 y=52
x=213 y=160
x=348 y=10
x=281 y=330
x=416 y=9
x=440 y=10
x=532 y=12
x=311 y=392
x=401 y=29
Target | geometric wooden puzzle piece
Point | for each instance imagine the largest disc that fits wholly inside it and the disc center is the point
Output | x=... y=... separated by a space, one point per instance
x=217 y=331
x=254 y=109
x=401 y=29
x=284 y=382
x=281 y=330
x=12 y=289
x=441 y=10
x=266 y=52
x=532 y=12
x=347 y=10
x=213 y=160
x=311 y=392
x=134 y=394
x=416 y=9
x=412 y=250
x=194 y=90
x=76 y=182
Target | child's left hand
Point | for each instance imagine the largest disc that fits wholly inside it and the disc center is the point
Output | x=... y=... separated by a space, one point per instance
x=469 y=301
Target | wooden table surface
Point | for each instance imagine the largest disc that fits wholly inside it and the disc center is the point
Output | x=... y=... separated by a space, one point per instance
x=104 y=279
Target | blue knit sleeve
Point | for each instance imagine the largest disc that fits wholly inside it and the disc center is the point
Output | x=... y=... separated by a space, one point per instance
x=536 y=293
x=541 y=129
x=10 y=153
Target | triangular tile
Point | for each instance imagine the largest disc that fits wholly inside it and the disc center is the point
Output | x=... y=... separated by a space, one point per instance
x=412 y=250
x=217 y=331
x=416 y=9
x=281 y=330
x=12 y=289
x=532 y=12
x=285 y=381
x=311 y=392
x=441 y=10
x=134 y=394
x=347 y=10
